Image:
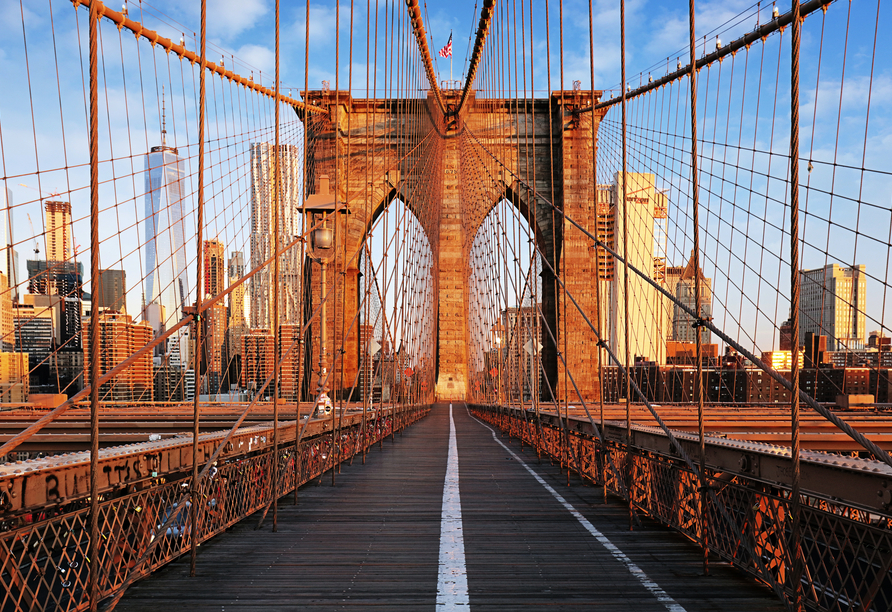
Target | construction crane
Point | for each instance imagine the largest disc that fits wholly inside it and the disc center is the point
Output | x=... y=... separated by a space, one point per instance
x=46 y=195
x=43 y=194
x=36 y=244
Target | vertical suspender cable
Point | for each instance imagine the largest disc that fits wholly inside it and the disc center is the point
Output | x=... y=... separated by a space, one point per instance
x=304 y=191
x=558 y=303
x=277 y=328
x=622 y=28
x=196 y=358
x=533 y=198
x=344 y=331
x=366 y=358
x=795 y=509
x=565 y=427
x=695 y=203
x=591 y=36
x=94 y=312
x=337 y=172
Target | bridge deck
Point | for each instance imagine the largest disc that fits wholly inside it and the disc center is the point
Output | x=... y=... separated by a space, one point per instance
x=373 y=541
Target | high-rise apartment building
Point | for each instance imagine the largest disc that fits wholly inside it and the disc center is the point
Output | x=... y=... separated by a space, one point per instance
x=54 y=366
x=606 y=233
x=522 y=332
x=289 y=361
x=119 y=338
x=237 y=326
x=214 y=321
x=367 y=352
x=214 y=267
x=606 y=228
x=169 y=382
x=833 y=304
x=13 y=378
x=257 y=359
x=263 y=200
x=35 y=334
x=112 y=291
x=237 y=295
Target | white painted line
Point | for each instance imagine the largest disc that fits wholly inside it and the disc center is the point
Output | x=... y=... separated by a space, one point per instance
x=661 y=595
x=452 y=582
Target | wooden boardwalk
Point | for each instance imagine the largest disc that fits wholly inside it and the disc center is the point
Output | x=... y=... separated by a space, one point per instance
x=372 y=542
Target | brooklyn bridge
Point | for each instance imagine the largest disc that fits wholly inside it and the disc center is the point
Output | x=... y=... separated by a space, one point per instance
x=596 y=322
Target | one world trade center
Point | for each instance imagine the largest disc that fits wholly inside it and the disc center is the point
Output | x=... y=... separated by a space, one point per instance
x=166 y=281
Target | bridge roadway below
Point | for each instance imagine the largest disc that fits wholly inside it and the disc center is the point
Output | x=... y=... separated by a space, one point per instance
x=373 y=541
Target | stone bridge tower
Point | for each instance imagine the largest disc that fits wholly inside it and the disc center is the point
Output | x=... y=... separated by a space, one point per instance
x=408 y=150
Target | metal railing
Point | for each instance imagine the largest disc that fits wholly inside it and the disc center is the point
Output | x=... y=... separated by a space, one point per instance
x=45 y=563
x=846 y=548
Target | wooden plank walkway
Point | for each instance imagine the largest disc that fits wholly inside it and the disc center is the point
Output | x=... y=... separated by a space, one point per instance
x=372 y=542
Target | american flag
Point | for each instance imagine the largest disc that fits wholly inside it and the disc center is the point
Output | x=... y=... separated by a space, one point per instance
x=447 y=50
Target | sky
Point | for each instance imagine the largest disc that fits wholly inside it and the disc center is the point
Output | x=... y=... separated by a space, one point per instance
x=42 y=111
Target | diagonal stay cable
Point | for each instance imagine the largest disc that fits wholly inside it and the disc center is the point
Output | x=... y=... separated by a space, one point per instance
x=853 y=433
x=673 y=440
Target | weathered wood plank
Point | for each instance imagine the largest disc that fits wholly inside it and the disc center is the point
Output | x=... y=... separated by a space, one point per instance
x=371 y=542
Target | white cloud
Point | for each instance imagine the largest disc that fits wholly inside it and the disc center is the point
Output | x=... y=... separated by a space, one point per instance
x=322 y=25
x=229 y=18
x=258 y=57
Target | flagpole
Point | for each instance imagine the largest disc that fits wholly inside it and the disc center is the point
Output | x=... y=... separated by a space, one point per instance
x=450 y=60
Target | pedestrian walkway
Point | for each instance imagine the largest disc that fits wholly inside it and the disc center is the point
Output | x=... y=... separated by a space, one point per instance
x=483 y=526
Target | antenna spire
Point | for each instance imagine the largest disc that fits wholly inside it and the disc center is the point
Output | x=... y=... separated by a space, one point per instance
x=163 y=119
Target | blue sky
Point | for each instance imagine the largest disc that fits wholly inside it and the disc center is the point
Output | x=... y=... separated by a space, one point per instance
x=44 y=99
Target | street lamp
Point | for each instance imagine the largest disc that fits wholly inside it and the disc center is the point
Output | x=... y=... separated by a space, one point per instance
x=318 y=208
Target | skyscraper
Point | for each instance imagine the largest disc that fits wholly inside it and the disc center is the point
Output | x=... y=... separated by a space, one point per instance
x=263 y=198
x=214 y=266
x=112 y=289
x=522 y=332
x=166 y=281
x=58 y=230
x=36 y=335
x=289 y=361
x=671 y=276
x=60 y=275
x=14 y=380
x=606 y=228
x=7 y=324
x=237 y=326
x=237 y=295
x=214 y=320
x=166 y=288
x=833 y=304
x=684 y=291
x=9 y=262
x=119 y=338
x=647 y=318
x=257 y=360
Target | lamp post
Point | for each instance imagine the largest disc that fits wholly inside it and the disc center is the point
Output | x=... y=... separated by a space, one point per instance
x=319 y=208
